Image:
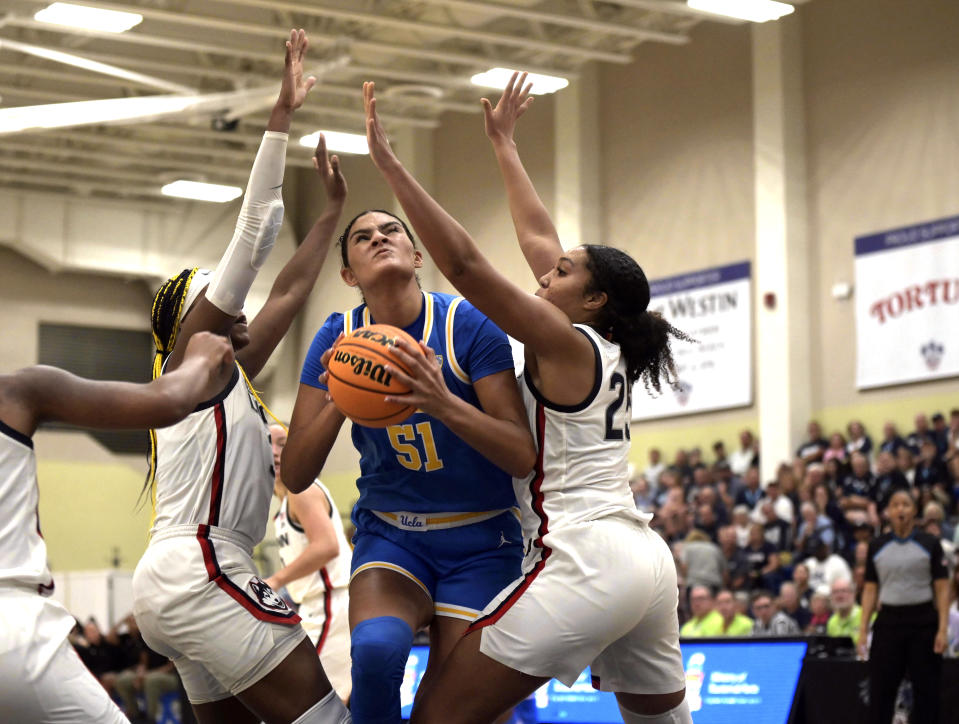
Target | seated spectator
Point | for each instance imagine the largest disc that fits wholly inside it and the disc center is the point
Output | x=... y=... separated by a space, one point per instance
x=727 y=487
x=668 y=479
x=742 y=603
x=655 y=468
x=706 y=522
x=790 y=605
x=719 y=452
x=930 y=469
x=750 y=493
x=859 y=441
x=933 y=528
x=819 y=612
x=769 y=621
x=747 y=456
x=702 y=480
x=671 y=516
x=701 y=562
x=889 y=479
x=152 y=675
x=933 y=512
x=734 y=623
x=781 y=503
x=801 y=581
x=775 y=529
x=682 y=467
x=643 y=496
x=940 y=433
x=741 y=524
x=813 y=526
x=814 y=446
x=705 y=620
x=737 y=567
x=906 y=464
x=891 y=440
x=762 y=558
x=922 y=432
x=857 y=494
x=952 y=630
x=837 y=448
x=846 y=613
x=833 y=473
x=825 y=567
x=97 y=653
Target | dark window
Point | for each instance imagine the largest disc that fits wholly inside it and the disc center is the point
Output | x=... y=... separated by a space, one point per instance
x=101 y=353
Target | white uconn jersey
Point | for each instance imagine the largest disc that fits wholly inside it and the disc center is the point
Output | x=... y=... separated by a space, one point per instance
x=216 y=466
x=292 y=540
x=23 y=554
x=581 y=464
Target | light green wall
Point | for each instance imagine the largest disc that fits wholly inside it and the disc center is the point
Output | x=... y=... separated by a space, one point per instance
x=87 y=510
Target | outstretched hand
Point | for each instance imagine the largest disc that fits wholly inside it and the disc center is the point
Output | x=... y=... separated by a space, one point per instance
x=501 y=120
x=328 y=167
x=381 y=153
x=294 y=88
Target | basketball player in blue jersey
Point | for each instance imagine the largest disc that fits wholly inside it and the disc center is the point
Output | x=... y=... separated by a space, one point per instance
x=437 y=533
x=41 y=677
x=598 y=587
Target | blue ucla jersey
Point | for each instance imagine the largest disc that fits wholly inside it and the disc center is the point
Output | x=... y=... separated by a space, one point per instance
x=419 y=465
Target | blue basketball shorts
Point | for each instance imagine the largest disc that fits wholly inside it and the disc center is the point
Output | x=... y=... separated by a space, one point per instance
x=461 y=569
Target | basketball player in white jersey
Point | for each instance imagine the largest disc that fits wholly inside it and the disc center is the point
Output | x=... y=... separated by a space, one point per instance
x=316 y=568
x=41 y=677
x=599 y=586
x=240 y=651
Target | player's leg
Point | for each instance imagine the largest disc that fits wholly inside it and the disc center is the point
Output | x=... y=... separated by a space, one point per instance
x=453 y=698
x=230 y=709
x=386 y=608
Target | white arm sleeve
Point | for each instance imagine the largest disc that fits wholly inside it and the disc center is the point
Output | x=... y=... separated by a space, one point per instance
x=261 y=216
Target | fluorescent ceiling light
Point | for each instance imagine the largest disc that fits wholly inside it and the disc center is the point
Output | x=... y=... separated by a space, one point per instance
x=78 y=113
x=758 y=11
x=338 y=142
x=81 y=16
x=199 y=191
x=499 y=77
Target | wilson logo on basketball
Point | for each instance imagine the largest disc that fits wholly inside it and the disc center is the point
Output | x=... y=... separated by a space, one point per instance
x=363 y=367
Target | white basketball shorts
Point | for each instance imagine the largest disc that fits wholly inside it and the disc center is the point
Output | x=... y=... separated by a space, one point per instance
x=601 y=593
x=327 y=623
x=41 y=677
x=199 y=601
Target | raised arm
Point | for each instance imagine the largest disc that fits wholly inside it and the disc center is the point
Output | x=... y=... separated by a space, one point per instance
x=261 y=213
x=534 y=228
x=295 y=281
x=46 y=394
x=537 y=323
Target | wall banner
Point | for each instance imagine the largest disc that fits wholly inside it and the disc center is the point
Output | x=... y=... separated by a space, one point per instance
x=714 y=307
x=907 y=304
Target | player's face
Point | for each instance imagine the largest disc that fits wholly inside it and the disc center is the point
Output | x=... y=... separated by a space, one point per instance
x=240 y=333
x=378 y=246
x=565 y=286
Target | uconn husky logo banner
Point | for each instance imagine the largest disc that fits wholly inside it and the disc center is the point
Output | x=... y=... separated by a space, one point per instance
x=714 y=307
x=907 y=304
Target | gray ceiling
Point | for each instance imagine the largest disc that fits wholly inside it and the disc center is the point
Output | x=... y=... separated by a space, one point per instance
x=421 y=53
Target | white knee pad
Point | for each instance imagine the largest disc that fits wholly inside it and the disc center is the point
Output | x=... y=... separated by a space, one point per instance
x=677 y=715
x=328 y=710
x=261 y=216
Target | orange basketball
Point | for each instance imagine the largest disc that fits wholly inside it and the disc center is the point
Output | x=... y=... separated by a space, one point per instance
x=359 y=383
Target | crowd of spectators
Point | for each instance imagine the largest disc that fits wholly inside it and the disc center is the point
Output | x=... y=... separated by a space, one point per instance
x=131 y=672
x=787 y=556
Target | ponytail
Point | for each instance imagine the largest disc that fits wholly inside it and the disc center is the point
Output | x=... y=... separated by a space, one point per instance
x=643 y=336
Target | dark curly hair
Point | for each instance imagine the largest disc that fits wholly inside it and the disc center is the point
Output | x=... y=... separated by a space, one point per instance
x=643 y=336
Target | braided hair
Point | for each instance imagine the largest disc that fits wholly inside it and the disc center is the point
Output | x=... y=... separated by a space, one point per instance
x=643 y=336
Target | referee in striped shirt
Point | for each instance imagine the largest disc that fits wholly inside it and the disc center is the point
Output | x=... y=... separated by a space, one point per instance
x=906 y=572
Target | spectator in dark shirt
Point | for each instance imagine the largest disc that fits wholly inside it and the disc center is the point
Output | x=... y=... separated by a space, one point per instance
x=940 y=433
x=813 y=526
x=857 y=489
x=915 y=438
x=930 y=470
x=790 y=605
x=801 y=581
x=813 y=447
x=750 y=494
x=859 y=441
x=97 y=653
x=775 y=530
x=888 y=480
x=892 y=441
x=906 y=464
x=737 y=567
x=763 y=560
